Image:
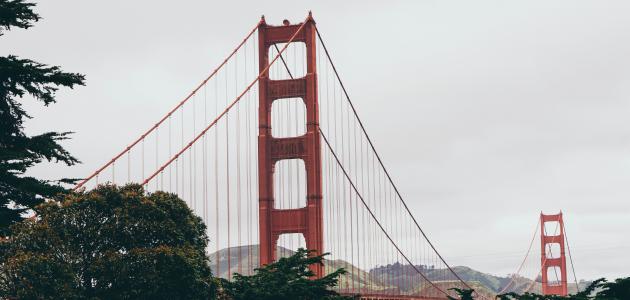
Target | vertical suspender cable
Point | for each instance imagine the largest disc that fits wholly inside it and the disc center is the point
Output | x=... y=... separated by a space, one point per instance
x=143 y=157
x=249 y=173
x=193 y=162
x=255 y=163
x=157 y=163
x=238 y=172
x=216 y=174
x=227 y=177
x=170 y=174
x=205 y=158
x=356 y=206
x=182 y=145
x=129 y=166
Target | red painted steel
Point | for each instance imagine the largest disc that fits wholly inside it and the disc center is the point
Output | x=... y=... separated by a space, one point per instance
x=553 y=288
x=307 y=220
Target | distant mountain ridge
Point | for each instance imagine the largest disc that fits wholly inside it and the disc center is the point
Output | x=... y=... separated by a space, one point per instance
x=382 y=278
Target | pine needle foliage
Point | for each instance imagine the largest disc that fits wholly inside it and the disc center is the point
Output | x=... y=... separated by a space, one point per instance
x=288 y=278
x=22 y=79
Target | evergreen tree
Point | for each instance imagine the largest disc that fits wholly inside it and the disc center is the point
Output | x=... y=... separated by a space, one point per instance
x=617 y=290
x=464 y=294
x=287 y=279
x=20 y=78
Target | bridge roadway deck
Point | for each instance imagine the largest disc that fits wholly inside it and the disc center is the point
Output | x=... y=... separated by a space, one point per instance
x=394 y=297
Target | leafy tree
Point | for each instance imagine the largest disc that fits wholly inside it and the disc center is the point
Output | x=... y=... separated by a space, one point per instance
x=18 y=152
x=288 y=278
x=108 y=243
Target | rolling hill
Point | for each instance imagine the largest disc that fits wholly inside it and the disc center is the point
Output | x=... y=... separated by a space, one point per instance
x=396 y=276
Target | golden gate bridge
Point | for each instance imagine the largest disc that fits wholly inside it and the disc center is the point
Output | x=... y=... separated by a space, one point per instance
x=270 y=152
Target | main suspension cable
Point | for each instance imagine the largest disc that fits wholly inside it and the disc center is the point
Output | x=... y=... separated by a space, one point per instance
x=523 y=262
x=358 y=194
x=226 y=110
x=378 y=157
x=165 y=117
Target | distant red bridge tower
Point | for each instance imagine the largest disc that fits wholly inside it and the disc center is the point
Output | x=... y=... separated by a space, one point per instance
x=553 y=263
x=305 y=220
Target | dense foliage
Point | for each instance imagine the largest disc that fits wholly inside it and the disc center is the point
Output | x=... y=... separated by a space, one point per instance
x=16 y=13
x=288 y=278
x=21 y=78
x=464 y=294
x=598 y=290
x=109 y=243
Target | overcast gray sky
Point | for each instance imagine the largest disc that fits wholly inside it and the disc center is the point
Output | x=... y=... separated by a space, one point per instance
x=486 y=112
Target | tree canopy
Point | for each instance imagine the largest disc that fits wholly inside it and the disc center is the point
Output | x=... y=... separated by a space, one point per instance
x=109 y=243
x=287 y=278
x=599 y=289
x=20 y=78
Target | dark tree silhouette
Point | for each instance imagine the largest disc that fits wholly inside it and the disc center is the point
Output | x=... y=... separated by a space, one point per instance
x=21 y=78
x=599 y=289
x=464 y=294
x=620 y=289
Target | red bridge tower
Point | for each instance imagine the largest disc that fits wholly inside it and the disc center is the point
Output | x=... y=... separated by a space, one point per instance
x=305 y=220
x=556 y=262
